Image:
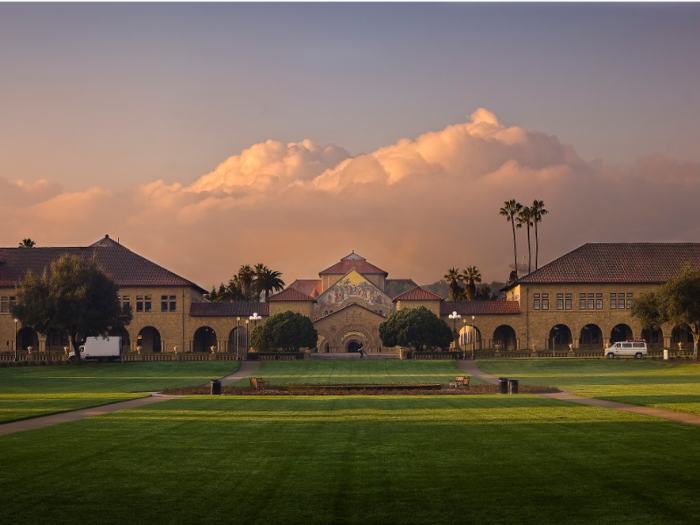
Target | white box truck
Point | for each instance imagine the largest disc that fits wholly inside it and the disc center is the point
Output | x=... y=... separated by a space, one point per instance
x=100 y=349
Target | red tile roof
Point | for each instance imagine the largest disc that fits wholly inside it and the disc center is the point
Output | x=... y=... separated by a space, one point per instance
x=353 y=261
x=470 y=308
x=235 y=309
x=291 y=294
x=418 y=294
x=618 y=263
x=310 y=287
x=121 y=264
x=391 y=284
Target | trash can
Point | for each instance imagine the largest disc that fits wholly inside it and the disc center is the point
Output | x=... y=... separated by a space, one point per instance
x=503 y=385
x=665 y=355
x=215 y=387
x=513 y=386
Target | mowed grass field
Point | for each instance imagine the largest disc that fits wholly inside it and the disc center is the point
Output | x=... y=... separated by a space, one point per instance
x=658 y=384
x=32 y=391
x=358 y=372
x=354 y=460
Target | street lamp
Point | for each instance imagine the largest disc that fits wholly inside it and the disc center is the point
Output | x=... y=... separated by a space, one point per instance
x=464 y=354
x=238 y=335
x=473 y=338
x=246 y=337
x=454 y=316
x=16 y=355
x=255 y=318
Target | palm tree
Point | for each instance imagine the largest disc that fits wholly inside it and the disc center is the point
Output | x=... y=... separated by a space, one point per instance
x=525 y=217
x=246 y=275
x=453 y=279
x=267 y=280
x=471 y=276
x=27 y=243
x=510 y=210
x=538 y=211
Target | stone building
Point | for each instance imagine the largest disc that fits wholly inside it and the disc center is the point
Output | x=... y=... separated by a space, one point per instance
x=581 y=299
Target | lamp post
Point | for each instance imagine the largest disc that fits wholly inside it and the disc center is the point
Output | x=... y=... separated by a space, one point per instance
x=454 y=316
x=238 y=334
x=464 y=353
x=255 y=318
x=473 y=338
x=246 y=337
x=16 y=355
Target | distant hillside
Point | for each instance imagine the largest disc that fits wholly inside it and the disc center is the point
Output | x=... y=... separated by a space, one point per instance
x=441 y=288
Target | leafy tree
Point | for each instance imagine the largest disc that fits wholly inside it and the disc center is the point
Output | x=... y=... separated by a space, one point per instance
x=75 y=296
x=27 y=243
x=676 y=303
x=471 y=276
x=484 y=293
x=417 y=328
x=538 y=211
x=525 y=217
x=287 y=331
x=267 y=281
x=453 y=278
x=509 y=211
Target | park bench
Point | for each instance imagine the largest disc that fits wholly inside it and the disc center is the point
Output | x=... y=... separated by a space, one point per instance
x=258 y=383
x=460 y=382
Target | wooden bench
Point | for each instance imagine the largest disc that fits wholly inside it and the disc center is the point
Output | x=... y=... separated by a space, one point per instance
x=460 y=382
x=258 y=383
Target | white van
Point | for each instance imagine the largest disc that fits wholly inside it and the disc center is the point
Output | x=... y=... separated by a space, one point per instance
x=633 y=348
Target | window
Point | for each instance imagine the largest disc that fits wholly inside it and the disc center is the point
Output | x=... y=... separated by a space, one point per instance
x=590 y=302
x=125 y=303
x=629 y=300
x=173 y=304
x=582 y=304
x=567 y=302
x=621 y=304
x=4 y=306
x=598 y=304
x=545 y=301
x=536 y=306
x=147 y=303
x=139 y=303
x=613 y=301
x=560 y=304
x=163 y=303
x=537 y=296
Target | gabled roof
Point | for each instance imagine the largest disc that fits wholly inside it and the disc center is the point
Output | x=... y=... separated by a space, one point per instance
x=346 y=307
x=418 y=294
x=121 y=264
x=390 y=284
x=617 y=263
x=353 y=261
x=291 y=294
x=235 y=309
x=469 y=308
x=310 y=287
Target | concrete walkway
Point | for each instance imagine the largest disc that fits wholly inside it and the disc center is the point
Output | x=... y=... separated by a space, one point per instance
x=472 y=368
x=75 y=415
x=247 y=368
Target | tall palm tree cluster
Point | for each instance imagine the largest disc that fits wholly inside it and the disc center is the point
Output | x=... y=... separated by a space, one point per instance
x=249 y=284
x=470 y=276
x=529 y=217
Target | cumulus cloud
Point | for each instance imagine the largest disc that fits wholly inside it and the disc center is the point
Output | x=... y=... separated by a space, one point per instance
x=415 y=208
x=19 y=193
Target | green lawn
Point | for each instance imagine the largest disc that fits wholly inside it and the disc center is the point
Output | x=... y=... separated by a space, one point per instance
x=658 y=384
x=354 y=459
x=40 y=390
x=358 y=372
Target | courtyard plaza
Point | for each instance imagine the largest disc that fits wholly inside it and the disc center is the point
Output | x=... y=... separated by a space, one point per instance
x=359 y=459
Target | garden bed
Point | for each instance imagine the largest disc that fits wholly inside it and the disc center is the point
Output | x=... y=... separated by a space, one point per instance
x=350 y=390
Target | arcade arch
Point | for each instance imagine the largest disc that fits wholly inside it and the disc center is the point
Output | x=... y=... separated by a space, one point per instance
x=27 y=337
x=559 y=337
x=149 y=340
x=204 y=339
x=591 y=337
x=620 y=332
x=504 y=338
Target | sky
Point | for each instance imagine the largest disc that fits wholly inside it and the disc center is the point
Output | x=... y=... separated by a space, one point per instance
x=206 y=136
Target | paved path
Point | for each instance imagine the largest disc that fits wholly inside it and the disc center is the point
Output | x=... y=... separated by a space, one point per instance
x=75 y=415
x=247 y=368
x=472 y=368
